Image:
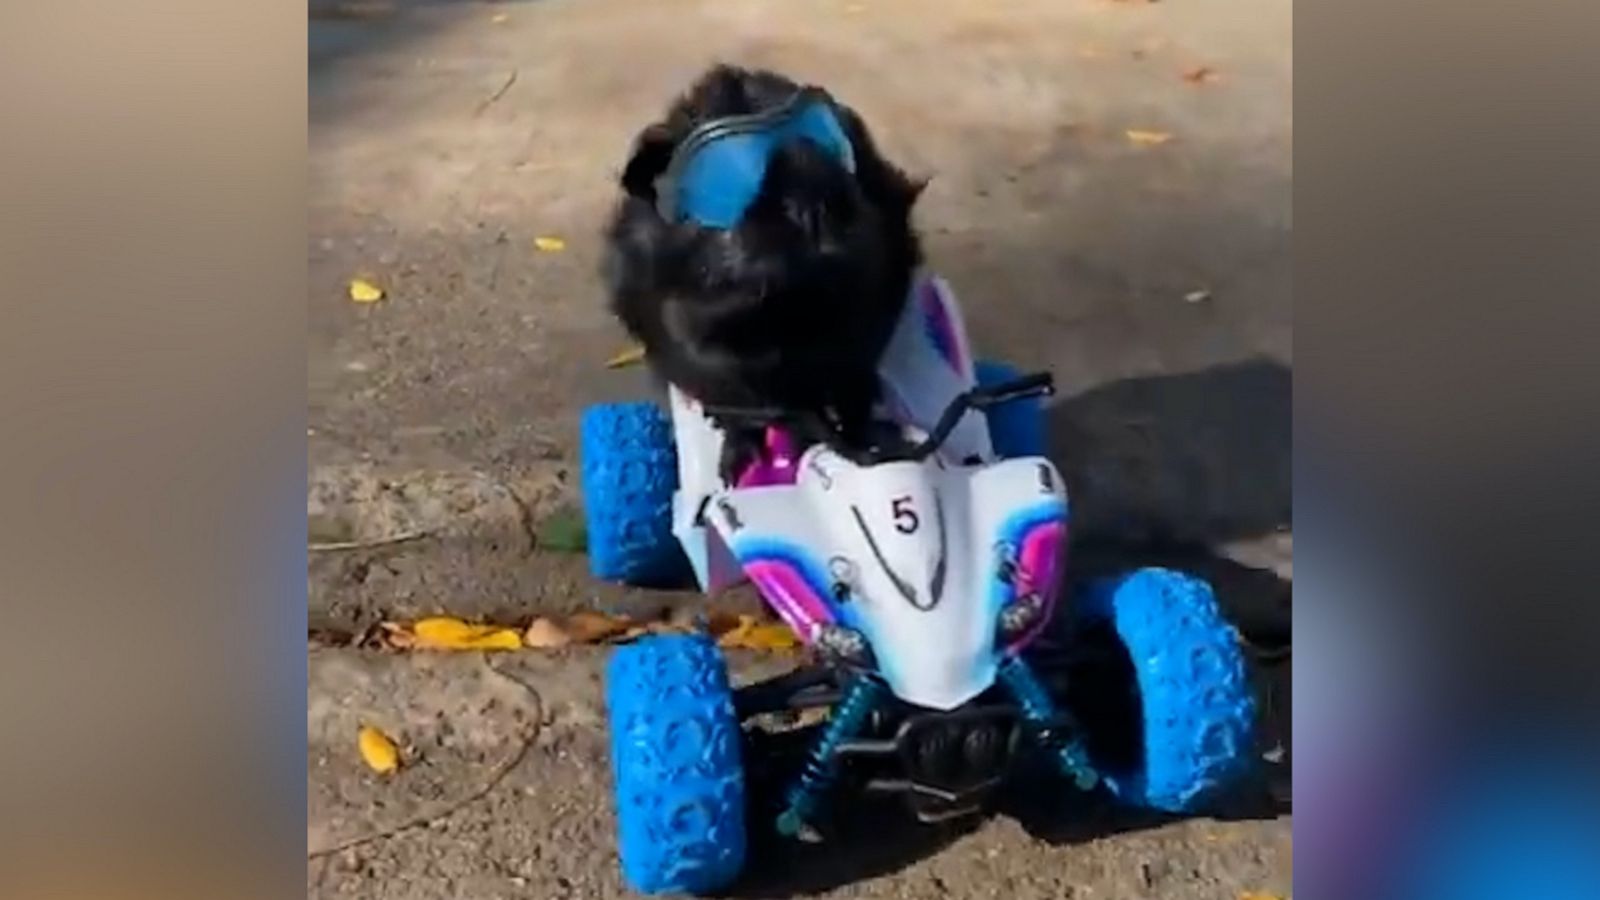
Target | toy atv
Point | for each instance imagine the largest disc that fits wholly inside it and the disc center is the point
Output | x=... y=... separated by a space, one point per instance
x=917 y=572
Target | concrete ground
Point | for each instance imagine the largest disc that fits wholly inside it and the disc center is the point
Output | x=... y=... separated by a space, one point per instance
x=508 y=795
x=1152 y=275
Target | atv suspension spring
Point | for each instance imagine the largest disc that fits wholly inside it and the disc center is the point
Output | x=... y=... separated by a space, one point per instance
x=1041 y=712
x=859 y=699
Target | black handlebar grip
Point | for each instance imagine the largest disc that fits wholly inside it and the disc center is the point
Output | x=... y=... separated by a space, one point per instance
x=1016 y=388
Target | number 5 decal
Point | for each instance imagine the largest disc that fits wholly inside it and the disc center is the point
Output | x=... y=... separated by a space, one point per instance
x=905 y=518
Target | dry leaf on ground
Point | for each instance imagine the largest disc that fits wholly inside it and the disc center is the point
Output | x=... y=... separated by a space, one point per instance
x=626 y=357
x=447 y=633
x=544 y=634
x=499 y=18
x=1200 y=75
x=397 y=636
x=721 y=621
x=588 y=627
x=753 y=634
x=377 y=750
x=549 y=244
x=364 y=291
x=1148 y=138
x=1258 y=895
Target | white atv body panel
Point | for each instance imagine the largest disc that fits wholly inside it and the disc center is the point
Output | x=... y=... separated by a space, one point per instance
x=699 y=446
x=919 y=545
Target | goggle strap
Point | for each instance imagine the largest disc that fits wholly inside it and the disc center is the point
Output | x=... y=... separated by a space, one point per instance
x=728 y=126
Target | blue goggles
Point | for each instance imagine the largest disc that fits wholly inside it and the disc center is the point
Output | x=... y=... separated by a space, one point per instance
x=717 y=171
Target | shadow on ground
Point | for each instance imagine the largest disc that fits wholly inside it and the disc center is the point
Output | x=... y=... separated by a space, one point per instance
x=881 y=840
x=1168 y=470
x=337 y=30
x=865 y=837
x=1191 y=458
x=342 y=31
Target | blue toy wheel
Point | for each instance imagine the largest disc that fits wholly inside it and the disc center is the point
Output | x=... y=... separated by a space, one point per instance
x=1193 y=730
x=675 y=756
x=1015 y=428
x=629 y=473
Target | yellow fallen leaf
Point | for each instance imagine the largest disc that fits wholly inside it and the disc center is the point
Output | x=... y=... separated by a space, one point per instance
x=364 y=291
x=592 y=627
x=499 y=17
x=626 y=357
x=446 y=633
x=1258 y=895
x=771 y=637
x=550 y=244
x=752 y=634
x=377 y=750
x=730 y=635
x=544 y=634
x=1148 y=138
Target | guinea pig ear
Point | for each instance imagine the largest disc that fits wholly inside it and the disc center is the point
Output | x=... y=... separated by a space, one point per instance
x=652 y=152
x=880 y=179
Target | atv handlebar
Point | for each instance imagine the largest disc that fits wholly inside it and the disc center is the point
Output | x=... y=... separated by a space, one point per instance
x=978 y=398
x=981 y=398
x=1041 y=384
